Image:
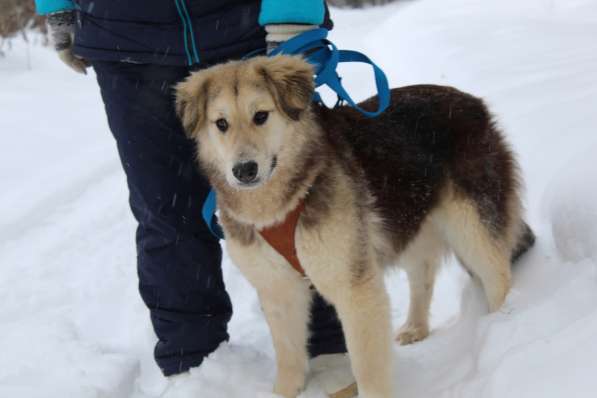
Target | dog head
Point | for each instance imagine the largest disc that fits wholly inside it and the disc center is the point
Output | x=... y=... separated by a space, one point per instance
x=246 y=116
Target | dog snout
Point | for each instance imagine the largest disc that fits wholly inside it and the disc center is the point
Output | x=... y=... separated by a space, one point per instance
x=245 y=172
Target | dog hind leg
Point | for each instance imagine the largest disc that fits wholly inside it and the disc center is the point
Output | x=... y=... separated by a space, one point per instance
x=421 y=278
x=482 y=253
x=420 y=260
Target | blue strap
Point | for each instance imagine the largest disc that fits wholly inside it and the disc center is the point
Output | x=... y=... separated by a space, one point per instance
x=298 y=44
x=325 y=57
x=208 y=212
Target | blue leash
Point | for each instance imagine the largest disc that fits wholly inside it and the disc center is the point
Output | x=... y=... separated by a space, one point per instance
x=325 y=57
x=208 y=212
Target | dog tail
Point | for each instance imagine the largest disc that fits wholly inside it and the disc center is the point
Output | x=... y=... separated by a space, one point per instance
x=525 y=242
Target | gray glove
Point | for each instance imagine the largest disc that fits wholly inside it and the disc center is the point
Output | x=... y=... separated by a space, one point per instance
x=279 y=33
x=62 y=30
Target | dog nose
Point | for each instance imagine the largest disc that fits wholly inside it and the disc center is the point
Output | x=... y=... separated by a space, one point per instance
x=245 y=171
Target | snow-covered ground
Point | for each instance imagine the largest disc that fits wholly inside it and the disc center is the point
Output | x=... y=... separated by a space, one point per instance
x=71 y=321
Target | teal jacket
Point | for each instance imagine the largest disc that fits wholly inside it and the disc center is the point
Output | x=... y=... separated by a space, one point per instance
x=179 y=32
x=272 y=11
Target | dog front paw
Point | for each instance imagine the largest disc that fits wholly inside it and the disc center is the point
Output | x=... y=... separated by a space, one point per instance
x=289 y=383
x=410 y=333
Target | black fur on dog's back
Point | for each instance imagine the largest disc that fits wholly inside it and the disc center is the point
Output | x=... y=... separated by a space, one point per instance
x=428 y=136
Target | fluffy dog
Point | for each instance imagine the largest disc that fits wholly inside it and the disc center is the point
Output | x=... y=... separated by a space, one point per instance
x=431 y=175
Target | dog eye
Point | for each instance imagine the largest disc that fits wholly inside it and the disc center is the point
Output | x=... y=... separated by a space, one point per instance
x=222 y=125
x=260 y=117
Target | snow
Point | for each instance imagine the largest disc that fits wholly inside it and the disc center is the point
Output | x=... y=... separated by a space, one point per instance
x=73 y=325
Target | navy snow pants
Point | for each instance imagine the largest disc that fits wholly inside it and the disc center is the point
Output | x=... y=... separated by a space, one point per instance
x=178 y=260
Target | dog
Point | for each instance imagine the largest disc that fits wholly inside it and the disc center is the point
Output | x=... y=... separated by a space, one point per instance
x=430 y=176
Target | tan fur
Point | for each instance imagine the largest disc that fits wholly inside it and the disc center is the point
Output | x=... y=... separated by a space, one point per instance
x=341 y=239
x=330 y=253
x=420 y=260
x=242 y=140
x=285 y=299
x=488 y=258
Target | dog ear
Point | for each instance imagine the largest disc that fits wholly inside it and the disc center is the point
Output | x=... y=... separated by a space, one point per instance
x=289 y=81
x=191 y=102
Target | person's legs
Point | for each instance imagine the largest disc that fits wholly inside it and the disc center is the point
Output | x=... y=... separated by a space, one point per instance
x=326 y=335
x=180 y=277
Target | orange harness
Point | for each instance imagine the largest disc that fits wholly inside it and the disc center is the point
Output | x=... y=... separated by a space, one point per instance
x=281 y=237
